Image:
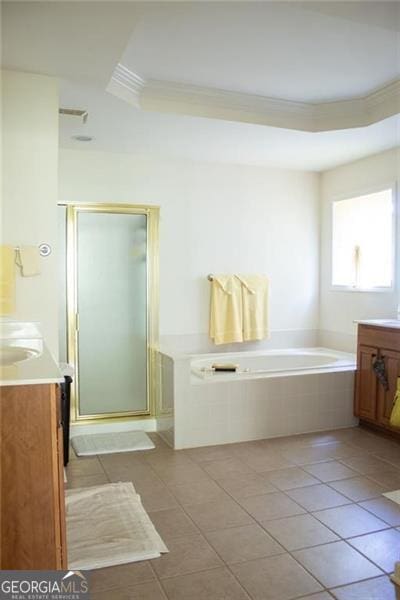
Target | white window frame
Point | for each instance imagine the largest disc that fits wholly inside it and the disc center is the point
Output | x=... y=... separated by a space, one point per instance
x=392 y=185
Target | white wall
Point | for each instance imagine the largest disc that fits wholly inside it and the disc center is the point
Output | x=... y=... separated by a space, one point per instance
x=29 y=163
x=214 y=218
x=338 y=309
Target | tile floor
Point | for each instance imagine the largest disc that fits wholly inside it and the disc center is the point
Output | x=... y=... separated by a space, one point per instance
x=288 y=518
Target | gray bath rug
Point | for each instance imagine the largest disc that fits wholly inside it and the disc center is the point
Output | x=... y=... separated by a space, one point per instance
x=108 y=443
x=107 y=525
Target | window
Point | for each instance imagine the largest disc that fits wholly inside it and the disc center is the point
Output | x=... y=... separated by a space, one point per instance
x=363 y=241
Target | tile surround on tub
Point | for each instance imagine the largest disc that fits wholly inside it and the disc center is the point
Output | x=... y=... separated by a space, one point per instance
x=201 y=343
x=236 y=411
x=345 y=342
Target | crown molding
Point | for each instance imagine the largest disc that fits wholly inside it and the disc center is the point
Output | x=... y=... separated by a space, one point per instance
x=179 y=98
x=126 y=85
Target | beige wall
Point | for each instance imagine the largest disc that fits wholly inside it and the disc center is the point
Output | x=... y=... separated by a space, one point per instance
x=338 y=309
x=29 y=211
x=215 y=218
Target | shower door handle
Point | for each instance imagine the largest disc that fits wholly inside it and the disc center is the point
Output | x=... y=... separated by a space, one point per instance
x=76 y=321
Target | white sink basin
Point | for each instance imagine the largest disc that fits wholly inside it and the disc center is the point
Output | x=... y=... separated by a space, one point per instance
x=9 y=355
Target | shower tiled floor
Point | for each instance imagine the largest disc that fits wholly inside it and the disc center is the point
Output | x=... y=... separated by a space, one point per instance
x=297 y=517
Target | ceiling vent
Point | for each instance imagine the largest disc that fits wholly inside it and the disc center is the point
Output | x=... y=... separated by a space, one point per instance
x=74 y=112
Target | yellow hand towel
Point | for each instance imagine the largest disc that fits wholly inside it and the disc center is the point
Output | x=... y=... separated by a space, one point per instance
x=7 y=280
x=255 y=306
x=395 y=416
x=28 y=258
x=226 y=310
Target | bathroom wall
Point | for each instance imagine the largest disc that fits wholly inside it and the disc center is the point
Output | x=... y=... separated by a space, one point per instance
x=338 y=309
x=215 y=218
x=29 y=188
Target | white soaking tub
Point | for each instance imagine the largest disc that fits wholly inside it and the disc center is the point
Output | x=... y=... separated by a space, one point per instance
x=273 y=393
x=272 y=362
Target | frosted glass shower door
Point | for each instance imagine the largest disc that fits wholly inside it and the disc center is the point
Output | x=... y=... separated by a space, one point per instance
x=111 y=271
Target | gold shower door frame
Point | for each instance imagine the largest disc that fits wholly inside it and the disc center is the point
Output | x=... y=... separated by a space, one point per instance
x=152 y=214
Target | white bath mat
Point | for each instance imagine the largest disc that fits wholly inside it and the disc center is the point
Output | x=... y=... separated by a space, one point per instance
x=394 y=496
x=107 y=525
x=108 y=443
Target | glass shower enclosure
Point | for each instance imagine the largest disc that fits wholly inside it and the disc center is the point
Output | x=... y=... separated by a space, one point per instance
x=112 y=308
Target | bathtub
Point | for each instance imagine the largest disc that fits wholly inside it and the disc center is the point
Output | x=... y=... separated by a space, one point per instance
x=272 y=363
x=274 y=393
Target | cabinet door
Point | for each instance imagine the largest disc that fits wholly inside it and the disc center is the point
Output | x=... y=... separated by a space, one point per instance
x=386 y=397
x=366 y=384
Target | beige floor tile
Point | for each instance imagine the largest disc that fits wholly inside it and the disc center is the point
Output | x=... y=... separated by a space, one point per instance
x=168 y=459
x=371 y=443
x=343 y=450
x=139 y=474
x=287 y=479
x=198 y=492
x=391 y=455
x=245 y=485
x=380 y=588
x=218 y=584
x=74 y=481
x=172 y=523
x=308 y=456
x=180 y=473
x=317 y=497
x=330 y=471
x=122 y=576
x=277 y=577
x=265 y=459
x=358 y=488
x=350 y=520
x=300 y=531
x=385 y=509
x=82 y=467
x=336 y=564
x=239 y=544
x=389 y=478
x=144 y=591
x=210 y=453
x=157 y=498
x=219 y=514
x=225 y=467
x=271 y=506
x=319 y=596
x=122 y=459
x=382 y=548
x=320 y=437
x=365 y=464
x=186 y=555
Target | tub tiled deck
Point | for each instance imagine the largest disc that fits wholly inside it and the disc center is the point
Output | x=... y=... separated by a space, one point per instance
x=296 y=517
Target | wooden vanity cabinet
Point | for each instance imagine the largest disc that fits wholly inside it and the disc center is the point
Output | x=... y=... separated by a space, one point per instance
x=373 y=403
x=32 y=526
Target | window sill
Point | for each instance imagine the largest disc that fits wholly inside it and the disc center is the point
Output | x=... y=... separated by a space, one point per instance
x=374 y=290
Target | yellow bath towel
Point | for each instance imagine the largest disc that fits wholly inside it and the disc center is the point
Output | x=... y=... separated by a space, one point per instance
x=7 y=280
x=28 y=259
x=395 y=416
x=255 y=307
x=226 y=315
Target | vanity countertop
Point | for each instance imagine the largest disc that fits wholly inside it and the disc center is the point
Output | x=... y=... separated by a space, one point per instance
x=391 y=323
x=37 y=370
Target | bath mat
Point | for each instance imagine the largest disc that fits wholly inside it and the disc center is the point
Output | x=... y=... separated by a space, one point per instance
x=394 y=496
x=108 y=443
x=107 y=525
